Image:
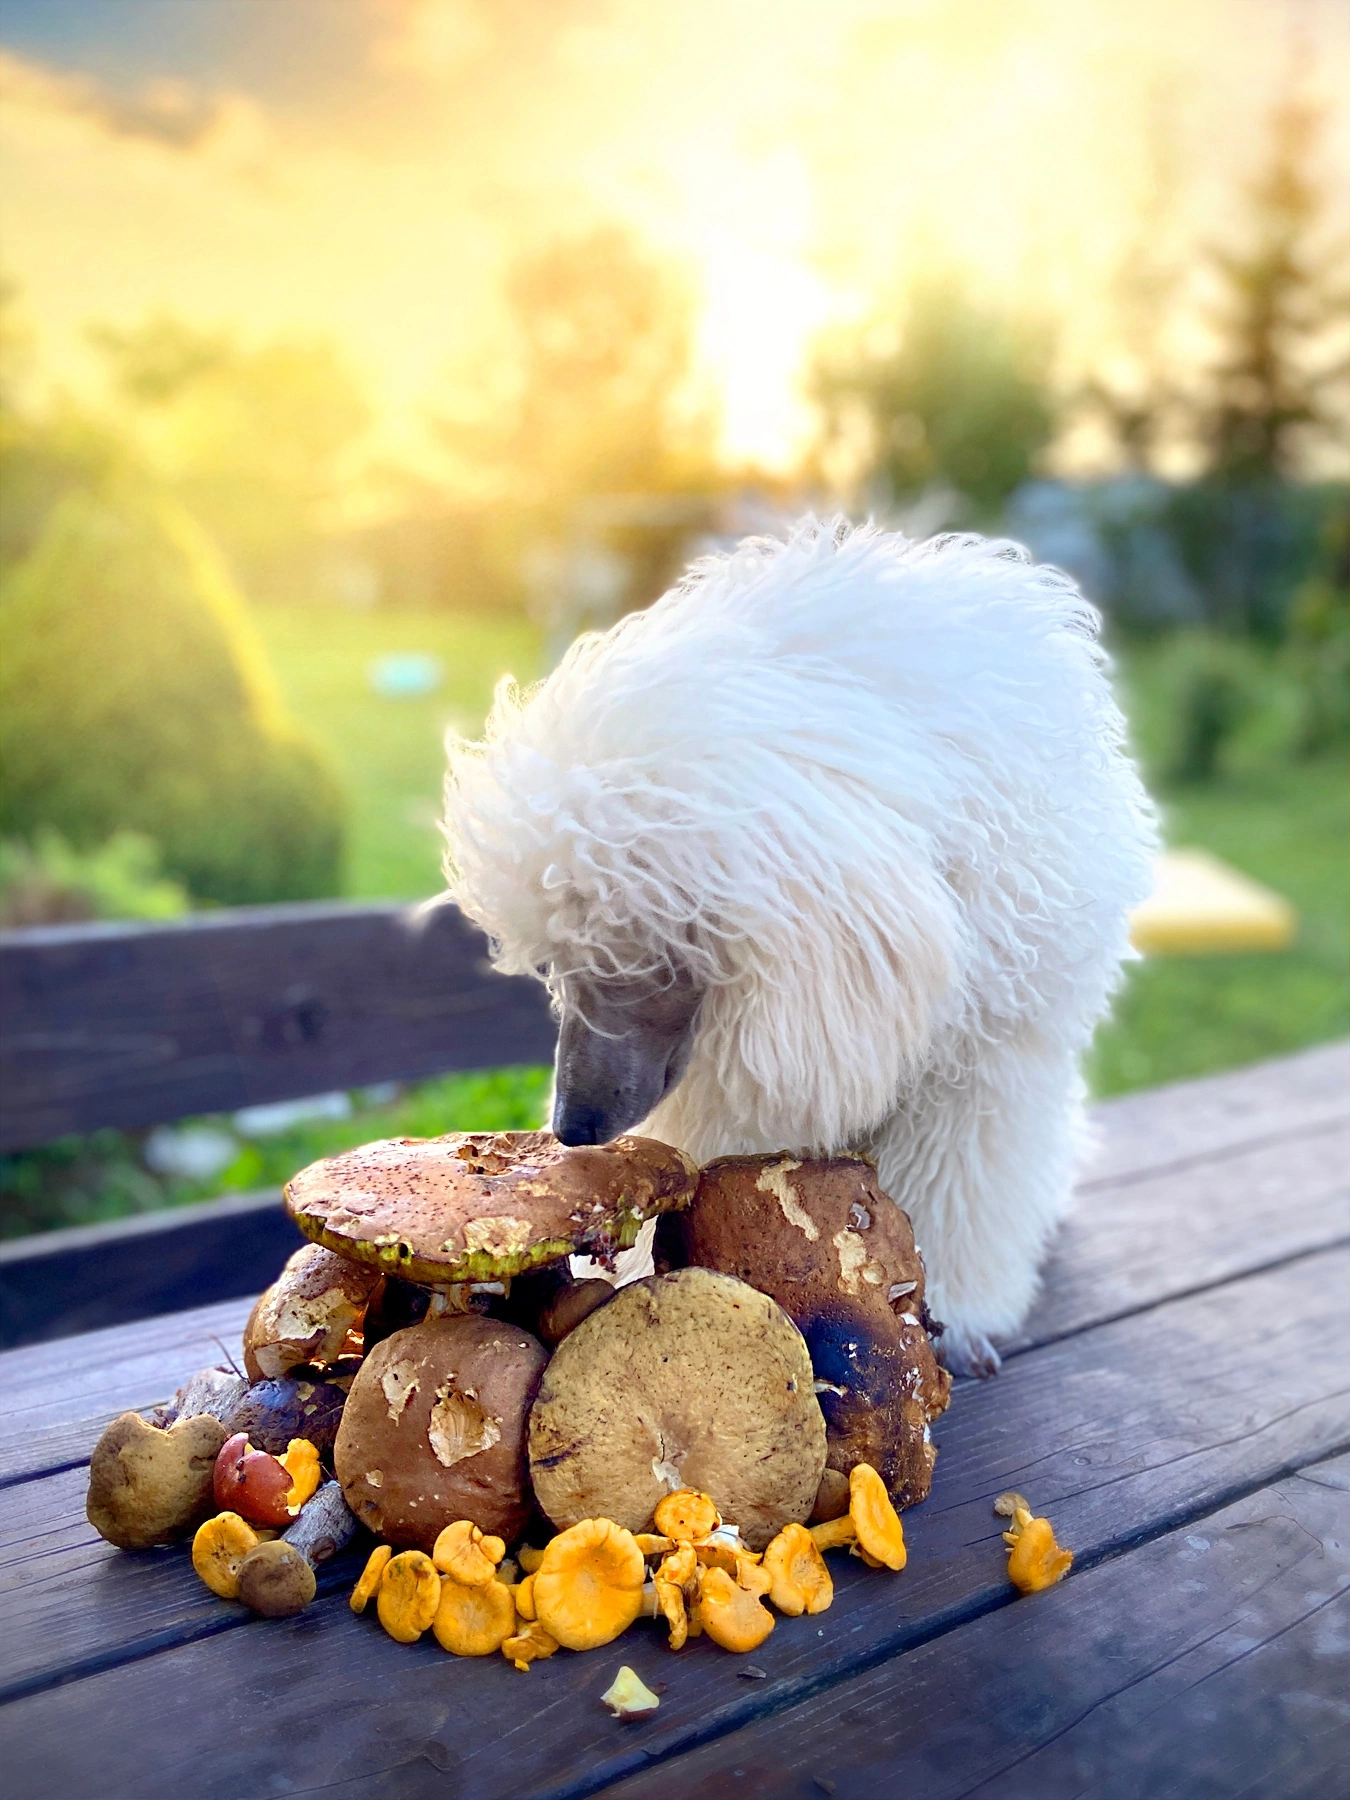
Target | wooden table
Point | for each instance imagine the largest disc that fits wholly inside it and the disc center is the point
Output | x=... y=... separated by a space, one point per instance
x=1179 y=1406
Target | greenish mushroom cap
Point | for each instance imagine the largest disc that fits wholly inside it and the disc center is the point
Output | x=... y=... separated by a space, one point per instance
x=484 y=1205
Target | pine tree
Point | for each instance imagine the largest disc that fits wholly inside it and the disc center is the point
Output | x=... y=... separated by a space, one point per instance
x=1273 y=388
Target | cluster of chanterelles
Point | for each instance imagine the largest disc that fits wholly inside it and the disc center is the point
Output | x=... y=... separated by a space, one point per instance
x=430 y=1347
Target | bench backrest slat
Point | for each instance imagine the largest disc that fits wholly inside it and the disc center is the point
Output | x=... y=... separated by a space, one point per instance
x=132 y=1024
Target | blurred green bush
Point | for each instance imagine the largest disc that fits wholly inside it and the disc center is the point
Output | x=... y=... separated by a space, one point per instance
x=49 y=882
x=135 y=695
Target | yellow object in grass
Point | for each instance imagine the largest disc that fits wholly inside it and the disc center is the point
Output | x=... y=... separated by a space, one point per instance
x=1201 y=907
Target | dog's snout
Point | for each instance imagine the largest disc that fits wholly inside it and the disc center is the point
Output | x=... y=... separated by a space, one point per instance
x=581 y=1125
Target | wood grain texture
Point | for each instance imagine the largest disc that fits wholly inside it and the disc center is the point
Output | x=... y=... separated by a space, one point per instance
x=61 y=1283
x=1129 y=1244
x=58 y=1397
x=1211 y=1663
x=131 y=1024
x=1121 y=1434
x=1165 y=1128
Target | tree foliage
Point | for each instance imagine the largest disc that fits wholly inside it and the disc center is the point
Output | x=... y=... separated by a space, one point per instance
x=134 y=695
x=1276 y=386
x=941 y=392
x=598 y=360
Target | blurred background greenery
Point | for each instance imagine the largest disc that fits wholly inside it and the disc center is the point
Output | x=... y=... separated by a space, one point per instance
x=268 y=526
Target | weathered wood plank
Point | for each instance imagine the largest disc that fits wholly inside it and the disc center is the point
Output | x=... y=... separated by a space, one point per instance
x=1129 y=1244
x=1212 y=1662
x=1121 y=1434
x=131 y=1024
x=58 y=1397
x=61 y=1283
x=1167 y=1127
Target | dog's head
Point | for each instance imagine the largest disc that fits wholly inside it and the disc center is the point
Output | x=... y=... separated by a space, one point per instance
x=697 y=831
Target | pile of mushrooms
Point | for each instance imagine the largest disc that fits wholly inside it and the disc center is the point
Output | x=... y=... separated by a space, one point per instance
x=427 y=1370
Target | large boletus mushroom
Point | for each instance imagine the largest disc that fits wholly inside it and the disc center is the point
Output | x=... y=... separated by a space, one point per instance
x=480 y=1206
x=434 y=1430
x=838 y=1255
x=685 y=1380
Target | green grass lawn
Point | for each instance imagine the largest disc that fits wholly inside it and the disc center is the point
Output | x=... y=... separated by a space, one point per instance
x=388 y=752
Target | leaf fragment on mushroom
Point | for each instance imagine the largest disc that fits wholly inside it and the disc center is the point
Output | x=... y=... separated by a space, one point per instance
x=459 y=1427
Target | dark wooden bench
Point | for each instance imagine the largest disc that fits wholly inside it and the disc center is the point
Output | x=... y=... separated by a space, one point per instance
x=133 y=1025
x=1179 y=1405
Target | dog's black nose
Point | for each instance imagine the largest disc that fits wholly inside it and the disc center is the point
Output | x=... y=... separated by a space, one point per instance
x=580 y=1125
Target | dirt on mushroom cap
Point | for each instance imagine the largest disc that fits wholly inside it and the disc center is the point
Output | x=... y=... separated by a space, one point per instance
x=684 y=1380
x=478 y=1206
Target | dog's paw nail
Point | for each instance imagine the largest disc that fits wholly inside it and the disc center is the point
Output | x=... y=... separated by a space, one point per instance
x=968 y=1354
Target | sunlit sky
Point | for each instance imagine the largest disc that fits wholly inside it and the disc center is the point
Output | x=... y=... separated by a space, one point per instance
x=364 y=169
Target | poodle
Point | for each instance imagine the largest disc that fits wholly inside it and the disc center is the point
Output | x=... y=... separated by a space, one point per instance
x=831 y=847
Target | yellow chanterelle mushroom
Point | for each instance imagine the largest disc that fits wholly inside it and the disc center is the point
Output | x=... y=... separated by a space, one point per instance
x=366 y=1587
x=466 y=1555
x=409 y=1595
x=219 y=1548
x=474 y=1621
x=871 y=1525
x=1035 y=1560
x=686 y=1516
x=799 y=1582
x=731 y=1614
x=588 y=1586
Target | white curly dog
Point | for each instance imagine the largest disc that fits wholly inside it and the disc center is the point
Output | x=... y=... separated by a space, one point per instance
x=832 y=846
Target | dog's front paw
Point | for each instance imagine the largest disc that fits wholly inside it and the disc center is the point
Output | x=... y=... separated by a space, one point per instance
x=967 y=1353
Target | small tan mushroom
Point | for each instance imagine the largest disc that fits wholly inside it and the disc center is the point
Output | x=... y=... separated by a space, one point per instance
x=474 y=1621
x=588 y=1588
x=731 y=1615
x=307 y=1313
x=368 y=1585
x=219 y=1549
x=409 y=1596
x=149 y=1485
x=531 y=1645
x=799 y=1581
x=276 y=1580
x=871 y=1525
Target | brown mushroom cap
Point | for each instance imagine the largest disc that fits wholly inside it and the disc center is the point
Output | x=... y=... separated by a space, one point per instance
x=434 y=1430
x=839 y=1257
x=307 y=1312
x=482 y=1205
x=691 y=1380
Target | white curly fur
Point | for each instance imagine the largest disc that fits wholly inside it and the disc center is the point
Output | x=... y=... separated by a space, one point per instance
x=873 y=795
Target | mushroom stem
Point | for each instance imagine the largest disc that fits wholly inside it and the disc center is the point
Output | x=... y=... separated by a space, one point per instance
x=835 y=1533
x=325 y=1526
x=651 y=1608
